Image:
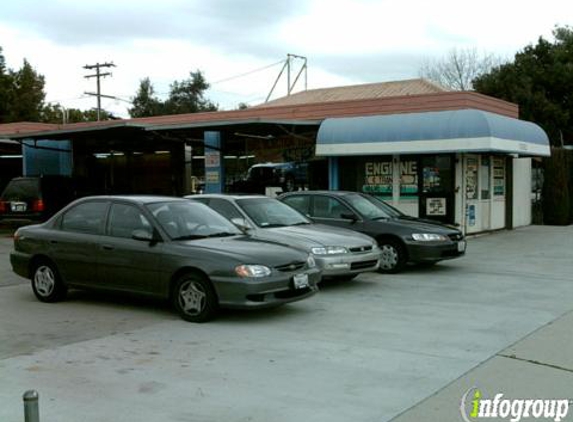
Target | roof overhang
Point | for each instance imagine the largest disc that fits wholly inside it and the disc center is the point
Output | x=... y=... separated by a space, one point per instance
x=431 y=133
x=65 y=133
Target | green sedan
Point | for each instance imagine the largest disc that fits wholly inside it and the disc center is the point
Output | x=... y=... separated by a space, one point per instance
x=160 y=246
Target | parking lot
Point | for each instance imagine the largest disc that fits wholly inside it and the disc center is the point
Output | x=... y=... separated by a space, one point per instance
x=364 y=350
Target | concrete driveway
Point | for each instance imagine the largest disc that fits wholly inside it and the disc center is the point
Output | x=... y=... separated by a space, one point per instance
x=365 y=350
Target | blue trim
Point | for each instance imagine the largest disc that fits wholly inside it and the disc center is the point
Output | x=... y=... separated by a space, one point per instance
x=213 y=140
x=333 y=174
x=456 y=124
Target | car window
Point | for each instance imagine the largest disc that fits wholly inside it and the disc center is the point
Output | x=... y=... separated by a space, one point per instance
x=87 y=217
x=326 y=207
x=191 y=220
x=225 y=208
x=371 y=207
x=124 y=219
x=270 y=212
x=22 y=190
x=300 y=203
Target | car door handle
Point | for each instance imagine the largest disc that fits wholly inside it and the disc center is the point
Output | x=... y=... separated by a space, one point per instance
x=107 y=247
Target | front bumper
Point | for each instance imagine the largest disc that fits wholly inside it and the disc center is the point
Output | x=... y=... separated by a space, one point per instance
x=350 y=263
x=266 y=292
x=20 y=263
x=435 y=251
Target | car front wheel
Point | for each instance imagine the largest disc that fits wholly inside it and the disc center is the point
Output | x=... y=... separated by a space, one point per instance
x=194 y=298
x=393 y=257
x=47 y=284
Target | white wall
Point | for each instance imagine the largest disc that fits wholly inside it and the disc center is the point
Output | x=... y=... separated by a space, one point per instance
x=521 y=192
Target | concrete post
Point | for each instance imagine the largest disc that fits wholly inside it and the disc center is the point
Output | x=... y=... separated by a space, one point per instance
x=31 y=409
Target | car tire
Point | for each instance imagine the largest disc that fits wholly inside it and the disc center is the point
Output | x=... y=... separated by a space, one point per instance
x=393 y=258
x=47 y=283
x=194 y=298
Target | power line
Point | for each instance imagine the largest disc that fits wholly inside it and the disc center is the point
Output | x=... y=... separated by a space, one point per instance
x=247 y=73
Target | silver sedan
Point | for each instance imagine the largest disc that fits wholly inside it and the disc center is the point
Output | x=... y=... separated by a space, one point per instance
x=338 y=252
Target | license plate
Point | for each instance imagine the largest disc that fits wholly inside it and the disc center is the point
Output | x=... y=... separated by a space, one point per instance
x=462 y=246
x=18 y=206
x=300 y=281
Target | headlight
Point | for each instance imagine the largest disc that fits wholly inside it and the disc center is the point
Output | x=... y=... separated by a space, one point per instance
x=329 y=250
x=429 y=237
x=255 y=271
x=310 y=262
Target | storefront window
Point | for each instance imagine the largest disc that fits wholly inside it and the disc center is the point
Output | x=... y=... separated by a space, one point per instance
x=408 y=179
x=485 y=178
x=498 y=176
x=378 y=177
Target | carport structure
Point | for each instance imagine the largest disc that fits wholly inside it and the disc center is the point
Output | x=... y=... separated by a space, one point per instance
x=160 y=155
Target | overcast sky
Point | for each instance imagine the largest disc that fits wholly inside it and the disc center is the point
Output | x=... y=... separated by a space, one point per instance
x=346 y=42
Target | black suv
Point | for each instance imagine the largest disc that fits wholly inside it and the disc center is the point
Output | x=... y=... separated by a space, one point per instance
x=35 y=199
x=287 y=175
x=401 y=238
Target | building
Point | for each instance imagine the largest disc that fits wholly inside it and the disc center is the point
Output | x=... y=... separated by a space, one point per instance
x=459 y=157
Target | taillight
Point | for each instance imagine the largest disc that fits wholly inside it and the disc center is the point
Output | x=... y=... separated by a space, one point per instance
x=3 y=206
x=38 y=205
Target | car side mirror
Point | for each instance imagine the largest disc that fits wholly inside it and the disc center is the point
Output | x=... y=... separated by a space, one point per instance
x=349 y=216
x=142 y=235
x=241 y=223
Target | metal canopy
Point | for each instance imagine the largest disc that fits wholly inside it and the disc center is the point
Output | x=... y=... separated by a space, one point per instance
x=431 y=133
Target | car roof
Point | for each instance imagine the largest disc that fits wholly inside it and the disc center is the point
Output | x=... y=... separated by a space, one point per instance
x=227 y=196
x=321 y=192
x=140 y=199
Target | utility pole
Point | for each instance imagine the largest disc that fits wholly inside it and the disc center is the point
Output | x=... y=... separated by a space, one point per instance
x=288 y=67
x=98 y=75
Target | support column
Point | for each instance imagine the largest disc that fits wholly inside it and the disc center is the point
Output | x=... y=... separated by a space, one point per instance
x=333 y=174
x=214 y=168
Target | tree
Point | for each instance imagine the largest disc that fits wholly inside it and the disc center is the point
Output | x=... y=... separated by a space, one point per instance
x=5 y=89
x=55 y=113
x=145 y=103
x=458 y=68
x=186 y=96
x=28 y=94
x=540 y=80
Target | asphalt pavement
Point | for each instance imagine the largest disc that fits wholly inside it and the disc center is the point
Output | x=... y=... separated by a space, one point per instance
x=403 y=347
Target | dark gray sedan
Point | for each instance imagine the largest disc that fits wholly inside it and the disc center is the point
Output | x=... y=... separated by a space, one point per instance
x=164 y=247
x=401 y=238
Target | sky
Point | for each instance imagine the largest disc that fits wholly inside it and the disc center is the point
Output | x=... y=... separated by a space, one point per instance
x=345 y=42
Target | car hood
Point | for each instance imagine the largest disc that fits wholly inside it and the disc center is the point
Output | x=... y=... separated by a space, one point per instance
x=245 y=250
x=311 y=235
x=422 y=225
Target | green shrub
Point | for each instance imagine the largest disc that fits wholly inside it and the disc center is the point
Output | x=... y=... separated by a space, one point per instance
x=556 y=201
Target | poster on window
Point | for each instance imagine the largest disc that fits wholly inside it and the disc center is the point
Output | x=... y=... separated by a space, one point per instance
x=471 y=178
x=378 y=177
x=408 y=178
x=498 y=176
x=435 y=206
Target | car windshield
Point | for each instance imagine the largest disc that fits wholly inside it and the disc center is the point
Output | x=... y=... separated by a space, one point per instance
x=371 y=207
x=183 y=220
x=269 y=212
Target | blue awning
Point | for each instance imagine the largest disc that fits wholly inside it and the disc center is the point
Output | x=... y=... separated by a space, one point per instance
x=431 y=133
